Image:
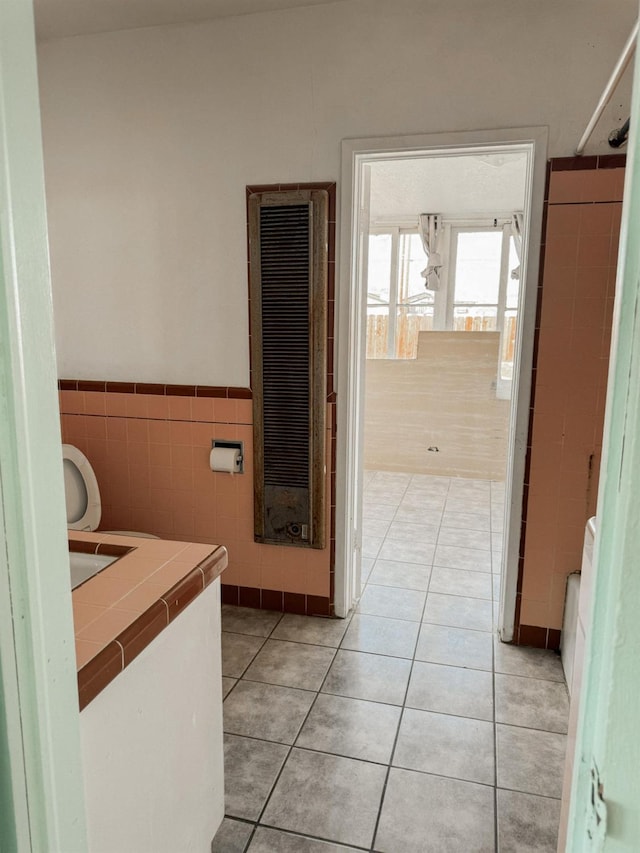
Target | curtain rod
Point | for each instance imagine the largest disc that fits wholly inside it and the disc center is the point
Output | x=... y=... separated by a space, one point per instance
x=616 y=74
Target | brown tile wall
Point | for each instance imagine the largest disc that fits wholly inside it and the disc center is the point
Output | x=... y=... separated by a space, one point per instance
x=571 y=359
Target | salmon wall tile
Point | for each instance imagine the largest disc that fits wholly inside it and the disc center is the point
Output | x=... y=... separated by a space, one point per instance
x=150 y=453
x=569 y=383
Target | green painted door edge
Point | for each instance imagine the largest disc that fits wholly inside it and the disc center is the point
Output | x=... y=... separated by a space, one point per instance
x=605 y=800
x=41 y=802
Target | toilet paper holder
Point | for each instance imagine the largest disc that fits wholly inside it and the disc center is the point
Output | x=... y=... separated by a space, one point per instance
x=231 y=445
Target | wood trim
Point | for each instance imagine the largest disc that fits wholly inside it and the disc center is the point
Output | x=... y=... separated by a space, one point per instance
x=316 y=202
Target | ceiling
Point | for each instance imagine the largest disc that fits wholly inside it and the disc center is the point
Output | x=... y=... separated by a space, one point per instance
x=451 y=185
x=60 y=18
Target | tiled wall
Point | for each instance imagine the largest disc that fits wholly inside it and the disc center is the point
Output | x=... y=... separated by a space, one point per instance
x=447 y=401
x=571 y=359
x=149 y=446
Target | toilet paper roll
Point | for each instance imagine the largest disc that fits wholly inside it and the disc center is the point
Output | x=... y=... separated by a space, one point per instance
x=225 y=459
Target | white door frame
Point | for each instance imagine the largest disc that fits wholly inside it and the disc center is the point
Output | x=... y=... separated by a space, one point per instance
x=41 y=794
x=356 y=154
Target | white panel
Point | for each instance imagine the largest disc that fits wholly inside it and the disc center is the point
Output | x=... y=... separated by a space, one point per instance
x=569 y=629
x=152 y=742
x=586 y=587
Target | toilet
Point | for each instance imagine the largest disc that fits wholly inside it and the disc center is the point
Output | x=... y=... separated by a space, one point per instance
x=82 y=494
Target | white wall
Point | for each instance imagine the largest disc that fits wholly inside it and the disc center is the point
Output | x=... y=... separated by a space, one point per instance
x=152 y=134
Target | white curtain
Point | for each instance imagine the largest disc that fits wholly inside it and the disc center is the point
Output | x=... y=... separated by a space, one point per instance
x=517 y=229
x=430 y=228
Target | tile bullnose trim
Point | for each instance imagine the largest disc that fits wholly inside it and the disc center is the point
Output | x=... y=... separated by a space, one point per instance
x=582 y=163
x=80 y=546
x=539 y=637
x=213 y=566
x=148 y=388
x=101 y=670
x=140 y=633
x=279 y=600
x=113 y=550
x=98 y=672
x=183 y=592
x=161 y=389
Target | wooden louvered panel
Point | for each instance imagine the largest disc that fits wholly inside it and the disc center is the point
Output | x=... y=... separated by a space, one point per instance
x=288 y=334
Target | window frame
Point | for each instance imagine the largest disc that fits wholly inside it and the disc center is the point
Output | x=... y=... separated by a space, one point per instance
x=396 y=232
x=450 y=287
x=444 y=299
x=503 y=385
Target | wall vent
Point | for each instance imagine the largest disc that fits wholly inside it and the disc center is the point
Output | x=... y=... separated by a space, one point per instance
x=288 y=289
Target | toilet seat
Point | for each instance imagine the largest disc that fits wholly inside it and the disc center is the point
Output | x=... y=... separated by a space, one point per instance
x=82 y=493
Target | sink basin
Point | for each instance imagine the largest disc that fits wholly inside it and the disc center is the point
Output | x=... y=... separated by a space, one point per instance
x=85 y=566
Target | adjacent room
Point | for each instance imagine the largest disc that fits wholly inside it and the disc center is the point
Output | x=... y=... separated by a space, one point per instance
x=443 y=300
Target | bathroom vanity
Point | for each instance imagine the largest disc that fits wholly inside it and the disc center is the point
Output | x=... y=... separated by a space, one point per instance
x=147 y=629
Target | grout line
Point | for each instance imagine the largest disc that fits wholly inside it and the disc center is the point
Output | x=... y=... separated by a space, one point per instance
x=442 y=776
x=297 y=833
x=258 y=650
x=395 y=657
x=399 y=726
x=519 y=791
x=495 y=734
x=162 y=420
x=303 y=642
x=461 y=627
x=291 y=746
x=277 y=779
x=275 y=684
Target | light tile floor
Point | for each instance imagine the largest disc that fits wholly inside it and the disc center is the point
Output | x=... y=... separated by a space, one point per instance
x=407 y=727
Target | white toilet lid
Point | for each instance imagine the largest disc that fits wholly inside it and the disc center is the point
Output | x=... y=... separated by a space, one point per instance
x=81 y=490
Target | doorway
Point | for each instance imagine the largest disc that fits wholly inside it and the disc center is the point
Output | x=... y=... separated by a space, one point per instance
x=424 y=211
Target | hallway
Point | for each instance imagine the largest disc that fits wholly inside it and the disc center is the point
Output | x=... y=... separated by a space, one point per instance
x=407 y=727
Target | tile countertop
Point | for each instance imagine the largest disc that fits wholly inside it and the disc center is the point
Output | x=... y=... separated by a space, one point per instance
x=120 y=610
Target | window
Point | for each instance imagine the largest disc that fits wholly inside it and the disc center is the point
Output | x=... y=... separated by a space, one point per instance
x=508 y=342
x=398 y=306
x=476 y=281
x=477 y=291
x=483 y=295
